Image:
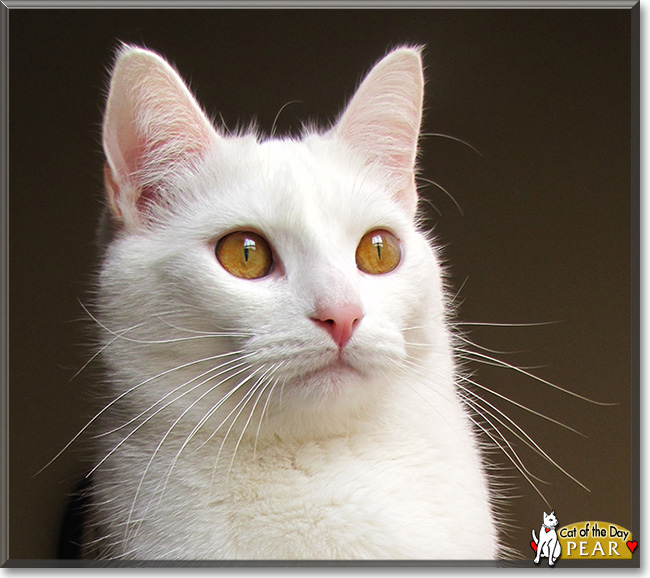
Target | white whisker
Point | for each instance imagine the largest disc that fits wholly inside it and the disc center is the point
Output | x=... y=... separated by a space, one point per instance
x=488 y=324
x=168 y=432
x=196 y=428
x=263 y=414
x=120 y=335
x=103 y=348
x=177 y=388
x=456 y=139
x=420 y=178
x=264 y=382
x=208 y=333
x=123 y=395
x=495 y=351
x=449 y=397
x=149 y=418
x=498 y=444
x=533 y=376
x=526 y=438
x=482 y=411
x=277 y=116
x=543 y=416
x=531 y=443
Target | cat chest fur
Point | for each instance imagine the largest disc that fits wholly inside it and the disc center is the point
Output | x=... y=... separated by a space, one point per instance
x=379 y=493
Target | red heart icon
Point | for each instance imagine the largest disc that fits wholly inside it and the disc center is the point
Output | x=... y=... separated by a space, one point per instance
x=533 y=546
x=632 y=545
x=548 y=530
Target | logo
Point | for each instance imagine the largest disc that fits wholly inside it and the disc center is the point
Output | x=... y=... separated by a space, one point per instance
x=581 y=541
x=548 y=545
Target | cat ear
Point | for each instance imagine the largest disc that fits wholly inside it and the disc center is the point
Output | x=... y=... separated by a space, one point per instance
x=153 y=129
x=382 y=121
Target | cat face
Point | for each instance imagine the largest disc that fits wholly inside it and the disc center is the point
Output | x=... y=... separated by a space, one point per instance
x=293 y=265
x=550 y=520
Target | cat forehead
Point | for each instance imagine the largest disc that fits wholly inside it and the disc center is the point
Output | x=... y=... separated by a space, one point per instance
x=288 y=184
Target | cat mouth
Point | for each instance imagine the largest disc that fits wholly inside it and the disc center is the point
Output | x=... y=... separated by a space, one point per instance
x=336 y=368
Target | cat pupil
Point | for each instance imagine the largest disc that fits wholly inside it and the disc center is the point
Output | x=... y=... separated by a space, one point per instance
x=248 y=245
x=378 y=242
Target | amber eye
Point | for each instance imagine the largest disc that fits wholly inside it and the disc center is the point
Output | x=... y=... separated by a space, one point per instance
x=245 y=254
x=378 y=252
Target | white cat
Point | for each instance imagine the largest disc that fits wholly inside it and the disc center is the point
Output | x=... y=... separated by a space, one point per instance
x=548 y=545
x=279 y=363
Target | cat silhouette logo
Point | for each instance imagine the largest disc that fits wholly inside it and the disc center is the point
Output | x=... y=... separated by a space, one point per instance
x=548 y=544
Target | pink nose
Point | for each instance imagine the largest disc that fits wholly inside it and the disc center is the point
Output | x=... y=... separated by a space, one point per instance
x=340 y=321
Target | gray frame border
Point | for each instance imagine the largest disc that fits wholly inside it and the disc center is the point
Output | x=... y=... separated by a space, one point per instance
x=635 y=47
x=379 y=4
x=4 y=283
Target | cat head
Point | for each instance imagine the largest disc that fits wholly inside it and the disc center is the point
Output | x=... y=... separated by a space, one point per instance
x=550 y=520
x=291 y=264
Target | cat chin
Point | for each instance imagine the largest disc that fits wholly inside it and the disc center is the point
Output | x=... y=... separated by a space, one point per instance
x=338 y=387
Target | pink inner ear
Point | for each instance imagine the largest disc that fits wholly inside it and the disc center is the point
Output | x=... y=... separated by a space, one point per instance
x=112 y=191
x=157 y=155
x=382 y=121
x=130 y=196
x=146 y=199
x=153 y=130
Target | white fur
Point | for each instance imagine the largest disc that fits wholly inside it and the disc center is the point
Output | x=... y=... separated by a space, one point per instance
x=376 y=460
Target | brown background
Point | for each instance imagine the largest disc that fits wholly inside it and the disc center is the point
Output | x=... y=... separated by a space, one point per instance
x=545 y=234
